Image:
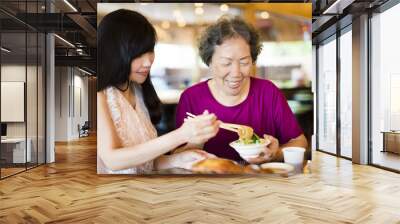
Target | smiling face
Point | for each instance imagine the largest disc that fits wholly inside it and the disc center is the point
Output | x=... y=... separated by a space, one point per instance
x=140 y=67
x=231 y=66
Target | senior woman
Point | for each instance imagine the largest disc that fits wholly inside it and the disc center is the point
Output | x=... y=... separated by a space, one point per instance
x=230 y=48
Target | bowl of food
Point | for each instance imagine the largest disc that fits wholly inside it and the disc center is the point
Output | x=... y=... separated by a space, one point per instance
x=251 y=147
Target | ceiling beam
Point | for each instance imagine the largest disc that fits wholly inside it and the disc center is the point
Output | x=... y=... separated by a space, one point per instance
x=83 y=23
x=77 y=61
x=86 y=27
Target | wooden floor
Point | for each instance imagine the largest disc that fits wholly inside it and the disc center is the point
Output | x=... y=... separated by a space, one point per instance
x=70 y=191
x=10 y=171
x=5 y=172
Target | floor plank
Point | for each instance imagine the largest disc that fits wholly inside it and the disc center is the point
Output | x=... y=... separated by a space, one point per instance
x=70 y=191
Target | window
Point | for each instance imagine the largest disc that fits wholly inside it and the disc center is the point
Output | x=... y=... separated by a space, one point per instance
x=327 y=97
x=346 y=94
x=23 y=77
x=385 y=89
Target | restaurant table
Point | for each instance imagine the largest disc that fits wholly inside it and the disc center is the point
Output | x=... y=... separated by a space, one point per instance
x=184 y=172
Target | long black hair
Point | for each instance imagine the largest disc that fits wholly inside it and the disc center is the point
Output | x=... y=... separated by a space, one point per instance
x=122 y=36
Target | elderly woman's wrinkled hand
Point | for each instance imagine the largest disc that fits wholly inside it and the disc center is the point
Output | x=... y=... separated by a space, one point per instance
x=270 y=153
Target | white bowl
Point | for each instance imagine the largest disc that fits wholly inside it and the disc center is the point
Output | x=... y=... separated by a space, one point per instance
x=248 y=151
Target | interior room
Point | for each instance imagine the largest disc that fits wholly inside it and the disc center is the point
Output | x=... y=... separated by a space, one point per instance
x=22 y=97
x=334 y=61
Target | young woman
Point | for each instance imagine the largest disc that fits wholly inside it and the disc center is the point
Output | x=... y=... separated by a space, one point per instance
x=128 y=106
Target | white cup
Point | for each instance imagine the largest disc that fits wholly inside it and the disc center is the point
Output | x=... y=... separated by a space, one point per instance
x=294 y=156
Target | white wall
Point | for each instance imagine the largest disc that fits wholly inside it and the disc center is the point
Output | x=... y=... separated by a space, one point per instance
x=12 y=73
x=61 y=103
x=33 y=127
x=67 y=101
x=12 y=101
x=79 y=103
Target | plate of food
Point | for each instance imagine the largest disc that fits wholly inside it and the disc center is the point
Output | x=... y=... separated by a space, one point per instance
x=217 y=166
x=278 y=168
x=226 y=166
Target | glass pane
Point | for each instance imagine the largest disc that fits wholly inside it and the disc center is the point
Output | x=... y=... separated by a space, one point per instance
x=31 y=97
x=327 y=97
x=346 y=94
x=31 y=86
x=41 y=98
x=13 y=85
x=386 y=89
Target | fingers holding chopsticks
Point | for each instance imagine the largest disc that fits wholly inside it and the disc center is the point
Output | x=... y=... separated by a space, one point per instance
x=226 y=126
x=208 y=118
x=200 y=128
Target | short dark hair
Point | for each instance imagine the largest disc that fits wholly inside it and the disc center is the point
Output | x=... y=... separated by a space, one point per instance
x=226 y=28
x=122 y=36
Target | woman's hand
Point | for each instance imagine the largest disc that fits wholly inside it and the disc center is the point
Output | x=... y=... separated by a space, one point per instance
x=187 y=158
x=199 y=129
x=271 y=152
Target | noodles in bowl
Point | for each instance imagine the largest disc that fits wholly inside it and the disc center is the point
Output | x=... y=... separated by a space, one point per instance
x=250 y=148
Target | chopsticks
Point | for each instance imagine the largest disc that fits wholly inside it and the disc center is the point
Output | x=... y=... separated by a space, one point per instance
x=226 y=126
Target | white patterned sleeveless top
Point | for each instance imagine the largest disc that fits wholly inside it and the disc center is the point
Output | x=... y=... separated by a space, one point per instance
x=133 y=126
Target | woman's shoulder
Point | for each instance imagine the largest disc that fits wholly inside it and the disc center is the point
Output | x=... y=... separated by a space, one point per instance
x=104 y=92
x=108 y=97
x=101 y=97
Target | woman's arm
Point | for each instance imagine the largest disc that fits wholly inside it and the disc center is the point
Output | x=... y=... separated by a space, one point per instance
x=182 y=108
x=300 y=141
x=287 y=127
x=117 y=157
x=183 y=159
x=188 y=146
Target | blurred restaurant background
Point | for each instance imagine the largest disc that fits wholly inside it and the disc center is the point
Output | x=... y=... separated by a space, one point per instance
x=286 y=58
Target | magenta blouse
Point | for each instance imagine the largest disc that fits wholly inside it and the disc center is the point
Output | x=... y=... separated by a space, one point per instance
x=265 y=110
